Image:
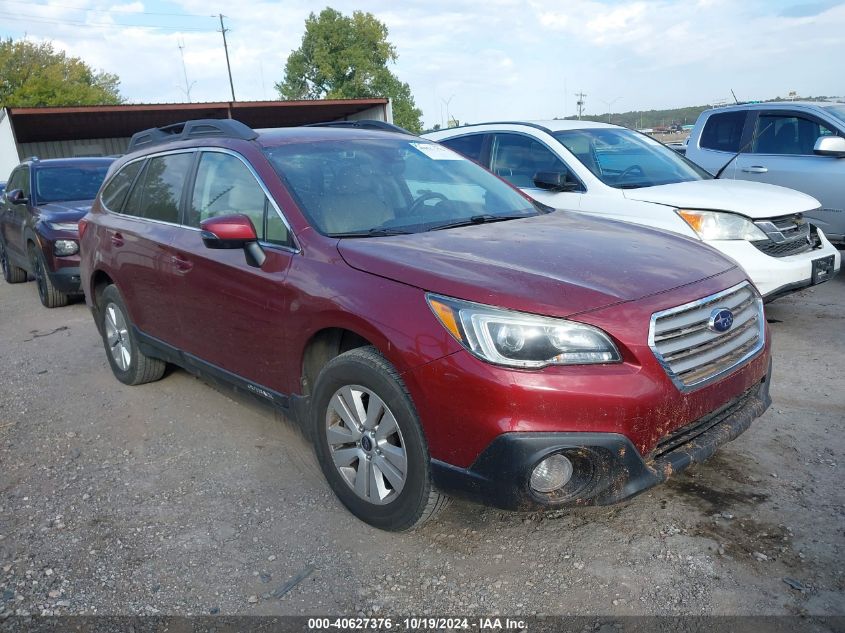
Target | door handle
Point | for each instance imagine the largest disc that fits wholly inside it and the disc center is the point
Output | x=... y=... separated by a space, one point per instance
x=117 y=239
x=755 y=169
x=182 y=265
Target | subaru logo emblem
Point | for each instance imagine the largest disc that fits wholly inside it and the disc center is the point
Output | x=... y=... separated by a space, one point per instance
x=721 y=320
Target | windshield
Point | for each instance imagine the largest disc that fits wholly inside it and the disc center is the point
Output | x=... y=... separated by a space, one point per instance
x=368 y=187
x=837 y=111
x=60 y=184
x=628 y=160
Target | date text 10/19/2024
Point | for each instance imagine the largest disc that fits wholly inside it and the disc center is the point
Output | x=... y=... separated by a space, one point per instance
x=412 y=624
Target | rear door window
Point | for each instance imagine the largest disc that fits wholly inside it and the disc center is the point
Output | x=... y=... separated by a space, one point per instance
x=787 y=134
x=158 y=192
x=723 y=131
x=470 y=146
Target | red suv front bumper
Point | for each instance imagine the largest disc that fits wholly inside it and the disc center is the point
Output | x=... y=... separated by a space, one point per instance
x=625 y=427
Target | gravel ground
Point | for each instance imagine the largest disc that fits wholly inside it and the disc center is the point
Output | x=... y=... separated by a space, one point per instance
x=181 y=498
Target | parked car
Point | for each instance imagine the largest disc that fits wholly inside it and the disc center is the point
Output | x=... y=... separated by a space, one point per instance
x=39 y=211
x=679 y=146
x=617 y=173
x=794 y=144
x=436 y=331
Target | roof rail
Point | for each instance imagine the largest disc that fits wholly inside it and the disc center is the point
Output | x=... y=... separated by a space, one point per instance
x=364 y=124
x=198 y=128
x=30 y=158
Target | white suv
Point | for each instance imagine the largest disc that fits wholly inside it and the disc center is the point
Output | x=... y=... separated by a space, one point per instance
x=617 y=173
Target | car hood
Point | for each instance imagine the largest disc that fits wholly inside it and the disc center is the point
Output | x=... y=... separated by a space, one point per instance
x=558 y=264
x=751 y=199
x=69 y=211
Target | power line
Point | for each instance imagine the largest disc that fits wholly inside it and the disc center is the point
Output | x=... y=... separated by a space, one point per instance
x=29 y=18
x=128 y=12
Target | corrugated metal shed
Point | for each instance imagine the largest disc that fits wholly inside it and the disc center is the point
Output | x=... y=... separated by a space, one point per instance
x=33 y=125
x=105 y=130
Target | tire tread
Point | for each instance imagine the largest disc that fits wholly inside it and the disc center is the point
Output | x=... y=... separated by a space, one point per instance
x=16 y=275
x=53 y=297
x=143 y=368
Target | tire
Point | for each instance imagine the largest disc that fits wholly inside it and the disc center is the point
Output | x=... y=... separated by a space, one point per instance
x=129 y=364
x=11 y=273
x=47 y=292
x=361 y=453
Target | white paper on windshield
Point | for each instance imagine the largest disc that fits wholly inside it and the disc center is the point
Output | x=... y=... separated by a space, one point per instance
x=437 y=152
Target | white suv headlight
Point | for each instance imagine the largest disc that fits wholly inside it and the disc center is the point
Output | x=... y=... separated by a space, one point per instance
x=720 y=225
x=518 y=339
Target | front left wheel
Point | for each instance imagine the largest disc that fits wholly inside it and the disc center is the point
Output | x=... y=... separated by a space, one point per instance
x=370 y=443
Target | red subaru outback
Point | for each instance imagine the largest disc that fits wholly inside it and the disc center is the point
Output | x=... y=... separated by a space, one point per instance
x=435 y=331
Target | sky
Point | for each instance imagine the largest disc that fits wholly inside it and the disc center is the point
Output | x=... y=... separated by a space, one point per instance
x=473 y=60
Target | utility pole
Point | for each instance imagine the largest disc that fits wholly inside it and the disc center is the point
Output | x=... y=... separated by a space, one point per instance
x=223 y=30
x=446 y=102
x=609 y=105
x=580 y=103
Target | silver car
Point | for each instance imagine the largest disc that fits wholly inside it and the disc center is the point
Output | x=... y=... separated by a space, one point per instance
x=800 y=145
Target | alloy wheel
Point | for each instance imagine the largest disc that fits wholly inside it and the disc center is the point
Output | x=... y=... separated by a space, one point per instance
x=366 y=444
x=117 y=335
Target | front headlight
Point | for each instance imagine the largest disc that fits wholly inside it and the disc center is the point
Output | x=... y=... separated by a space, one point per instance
x=517 y=339
x=719 y=225
x=63 y=226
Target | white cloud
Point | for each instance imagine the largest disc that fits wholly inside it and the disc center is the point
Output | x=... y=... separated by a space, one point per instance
x=494 y=59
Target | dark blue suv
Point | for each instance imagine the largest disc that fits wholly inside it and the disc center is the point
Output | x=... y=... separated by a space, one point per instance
x=39 y=211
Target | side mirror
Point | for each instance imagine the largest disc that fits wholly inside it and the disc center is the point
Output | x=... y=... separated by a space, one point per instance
x=16 y=196
x=233 y=231
x=830 y=146
x=555 y=181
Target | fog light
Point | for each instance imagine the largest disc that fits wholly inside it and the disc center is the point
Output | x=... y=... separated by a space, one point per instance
x=551 y=474
x=63 y=248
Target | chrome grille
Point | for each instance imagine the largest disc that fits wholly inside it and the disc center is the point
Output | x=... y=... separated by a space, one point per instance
x=691 y=352
x=787 y=235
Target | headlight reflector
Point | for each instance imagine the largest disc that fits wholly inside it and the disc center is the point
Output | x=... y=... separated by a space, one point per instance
x=719 y=225
x=63 y=226
x=518 y=339
x=63 y=248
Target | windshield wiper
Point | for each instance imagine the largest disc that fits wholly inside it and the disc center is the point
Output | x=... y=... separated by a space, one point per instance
x=486 y=218
x=376 y=232
x=631 y=185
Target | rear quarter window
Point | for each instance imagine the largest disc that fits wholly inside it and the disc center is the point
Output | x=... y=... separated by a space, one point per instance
x=114 y=193
x=723 y=131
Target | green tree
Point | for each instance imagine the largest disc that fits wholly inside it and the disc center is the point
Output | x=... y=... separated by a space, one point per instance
x=343 y=57
x=33 y=74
